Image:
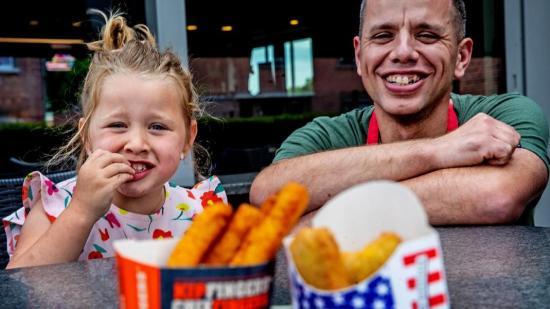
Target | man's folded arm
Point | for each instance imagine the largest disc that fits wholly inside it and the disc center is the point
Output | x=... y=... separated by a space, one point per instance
x=482 y=194
x=328 y=173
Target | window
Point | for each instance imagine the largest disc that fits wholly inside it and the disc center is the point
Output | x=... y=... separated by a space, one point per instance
x=276 y=74
x=7 y=65
x=261 y=58
x=299 y=66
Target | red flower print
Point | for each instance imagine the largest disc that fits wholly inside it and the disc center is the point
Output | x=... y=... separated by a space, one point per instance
x=190 y=194
x=95 y=255
x=209 y=198
x=104 y=235
x=158 y=233
x=113 y=221
x=51 y=187
x=51 y=218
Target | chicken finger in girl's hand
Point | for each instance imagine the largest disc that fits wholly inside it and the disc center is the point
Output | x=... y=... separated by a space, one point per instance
x=98 y=178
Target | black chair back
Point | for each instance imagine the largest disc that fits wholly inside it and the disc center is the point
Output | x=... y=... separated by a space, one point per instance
x=10 y=201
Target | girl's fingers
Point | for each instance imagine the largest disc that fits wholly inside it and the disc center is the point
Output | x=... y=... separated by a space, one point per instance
x=107 y=158
x=118 y=168
x=120 y=179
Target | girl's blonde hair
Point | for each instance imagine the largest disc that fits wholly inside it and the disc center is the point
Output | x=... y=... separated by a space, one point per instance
x=124 y=49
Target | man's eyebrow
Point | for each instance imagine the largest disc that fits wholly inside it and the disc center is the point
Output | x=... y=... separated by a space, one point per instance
x=427 y=26
x=380 y=26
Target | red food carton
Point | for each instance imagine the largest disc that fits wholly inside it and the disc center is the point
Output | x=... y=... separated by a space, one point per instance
x=412 y=277
x=146 y=282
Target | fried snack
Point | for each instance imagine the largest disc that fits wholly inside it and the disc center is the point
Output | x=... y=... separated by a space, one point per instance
x=203 y=231
x=262 y=242
x=362 y=264
x=318 y=259
x=245 y=218
x=268 y=204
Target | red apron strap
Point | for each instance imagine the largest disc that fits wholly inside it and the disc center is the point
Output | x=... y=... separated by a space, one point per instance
x=452 y=119
x=372 y=134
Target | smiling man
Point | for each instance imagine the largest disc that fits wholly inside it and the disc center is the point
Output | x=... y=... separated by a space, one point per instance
x=470 y=159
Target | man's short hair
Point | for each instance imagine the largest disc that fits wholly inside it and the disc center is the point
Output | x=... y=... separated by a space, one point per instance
x=460 y=18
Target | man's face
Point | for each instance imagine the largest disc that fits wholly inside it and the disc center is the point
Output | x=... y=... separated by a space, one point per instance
x=408 y=54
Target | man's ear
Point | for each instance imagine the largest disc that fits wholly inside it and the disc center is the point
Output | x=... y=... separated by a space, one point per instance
x=357 y=47
x=83 y=139
x=464 y=56
x=193 y=129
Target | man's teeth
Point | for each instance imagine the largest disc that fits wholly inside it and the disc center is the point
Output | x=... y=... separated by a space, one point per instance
x=138 y=167
x=403 y=79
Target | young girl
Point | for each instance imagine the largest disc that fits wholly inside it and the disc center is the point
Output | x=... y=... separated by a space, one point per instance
x=139 y=121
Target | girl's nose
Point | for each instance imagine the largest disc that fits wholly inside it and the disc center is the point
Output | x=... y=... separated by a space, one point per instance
x=136 y=141
x=404 y=50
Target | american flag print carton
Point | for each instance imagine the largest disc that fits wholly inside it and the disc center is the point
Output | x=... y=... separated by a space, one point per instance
x=412 y=277
x=146 y=282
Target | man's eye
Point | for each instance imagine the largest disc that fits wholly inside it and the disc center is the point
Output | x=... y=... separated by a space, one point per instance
x=158 y=126
x=427 y=37
x=382 y=37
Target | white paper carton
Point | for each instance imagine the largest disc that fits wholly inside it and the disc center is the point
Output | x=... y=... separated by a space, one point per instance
x=413 y=277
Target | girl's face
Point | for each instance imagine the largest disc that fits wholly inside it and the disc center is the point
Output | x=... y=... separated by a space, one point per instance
x=141 y=117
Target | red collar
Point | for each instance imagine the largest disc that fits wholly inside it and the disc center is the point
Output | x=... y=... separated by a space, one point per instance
x=372 y=134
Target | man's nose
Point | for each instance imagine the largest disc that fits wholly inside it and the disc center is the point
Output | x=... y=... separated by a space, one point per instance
x=404 y=50
x=137 y=141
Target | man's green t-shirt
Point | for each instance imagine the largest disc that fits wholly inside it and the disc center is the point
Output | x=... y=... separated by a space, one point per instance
x=350 y=129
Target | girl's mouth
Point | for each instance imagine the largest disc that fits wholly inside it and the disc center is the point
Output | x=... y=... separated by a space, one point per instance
x=141 y=170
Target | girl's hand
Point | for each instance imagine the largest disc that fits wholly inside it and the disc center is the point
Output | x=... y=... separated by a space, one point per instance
x=98 y=179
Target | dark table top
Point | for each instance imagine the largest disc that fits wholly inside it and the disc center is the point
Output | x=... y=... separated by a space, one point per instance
x=502 y=266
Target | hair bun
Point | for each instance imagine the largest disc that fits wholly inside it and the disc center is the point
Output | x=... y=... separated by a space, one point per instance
x=116 y=33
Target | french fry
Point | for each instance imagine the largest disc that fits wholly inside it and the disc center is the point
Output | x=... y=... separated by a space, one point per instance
x=245 y=218
x=262 y=242
x=318 y=259
x=362 y=264
x=201 y=234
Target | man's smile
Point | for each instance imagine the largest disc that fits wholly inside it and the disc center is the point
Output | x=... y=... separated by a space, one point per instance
x=403 y=79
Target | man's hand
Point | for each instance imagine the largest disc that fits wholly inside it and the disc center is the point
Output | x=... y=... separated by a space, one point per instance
x=482 y=139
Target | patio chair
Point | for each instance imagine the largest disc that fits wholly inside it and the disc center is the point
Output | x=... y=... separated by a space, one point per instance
x=10 y=200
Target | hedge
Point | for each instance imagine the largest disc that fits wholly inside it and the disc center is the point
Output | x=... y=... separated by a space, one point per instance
x=235 y=145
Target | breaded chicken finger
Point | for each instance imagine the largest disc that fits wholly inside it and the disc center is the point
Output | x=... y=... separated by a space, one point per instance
x=201 y=234
x=262 y=242
x=317 y=257
x=245 y=218
x=363 y=263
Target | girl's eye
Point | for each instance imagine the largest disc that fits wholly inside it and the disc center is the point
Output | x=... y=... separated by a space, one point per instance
x=117 y=125
x=158 y=126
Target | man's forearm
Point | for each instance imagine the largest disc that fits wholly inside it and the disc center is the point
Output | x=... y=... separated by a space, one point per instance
x=481 y=194
x=327 y=173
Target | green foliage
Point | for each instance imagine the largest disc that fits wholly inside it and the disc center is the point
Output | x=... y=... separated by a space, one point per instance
x=63 y=87
x=226 y=140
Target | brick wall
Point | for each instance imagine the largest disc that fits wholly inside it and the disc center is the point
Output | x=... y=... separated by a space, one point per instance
x=331 y=82
x=484 y=76
x=21 y=94
x=221 y=76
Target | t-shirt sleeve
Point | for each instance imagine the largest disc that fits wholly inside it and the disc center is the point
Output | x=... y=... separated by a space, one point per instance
x=36 y=186
x=326 y=133
x=520 y=112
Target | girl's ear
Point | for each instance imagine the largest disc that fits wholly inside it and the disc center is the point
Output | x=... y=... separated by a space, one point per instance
x=193 y=129
x=83 y=139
